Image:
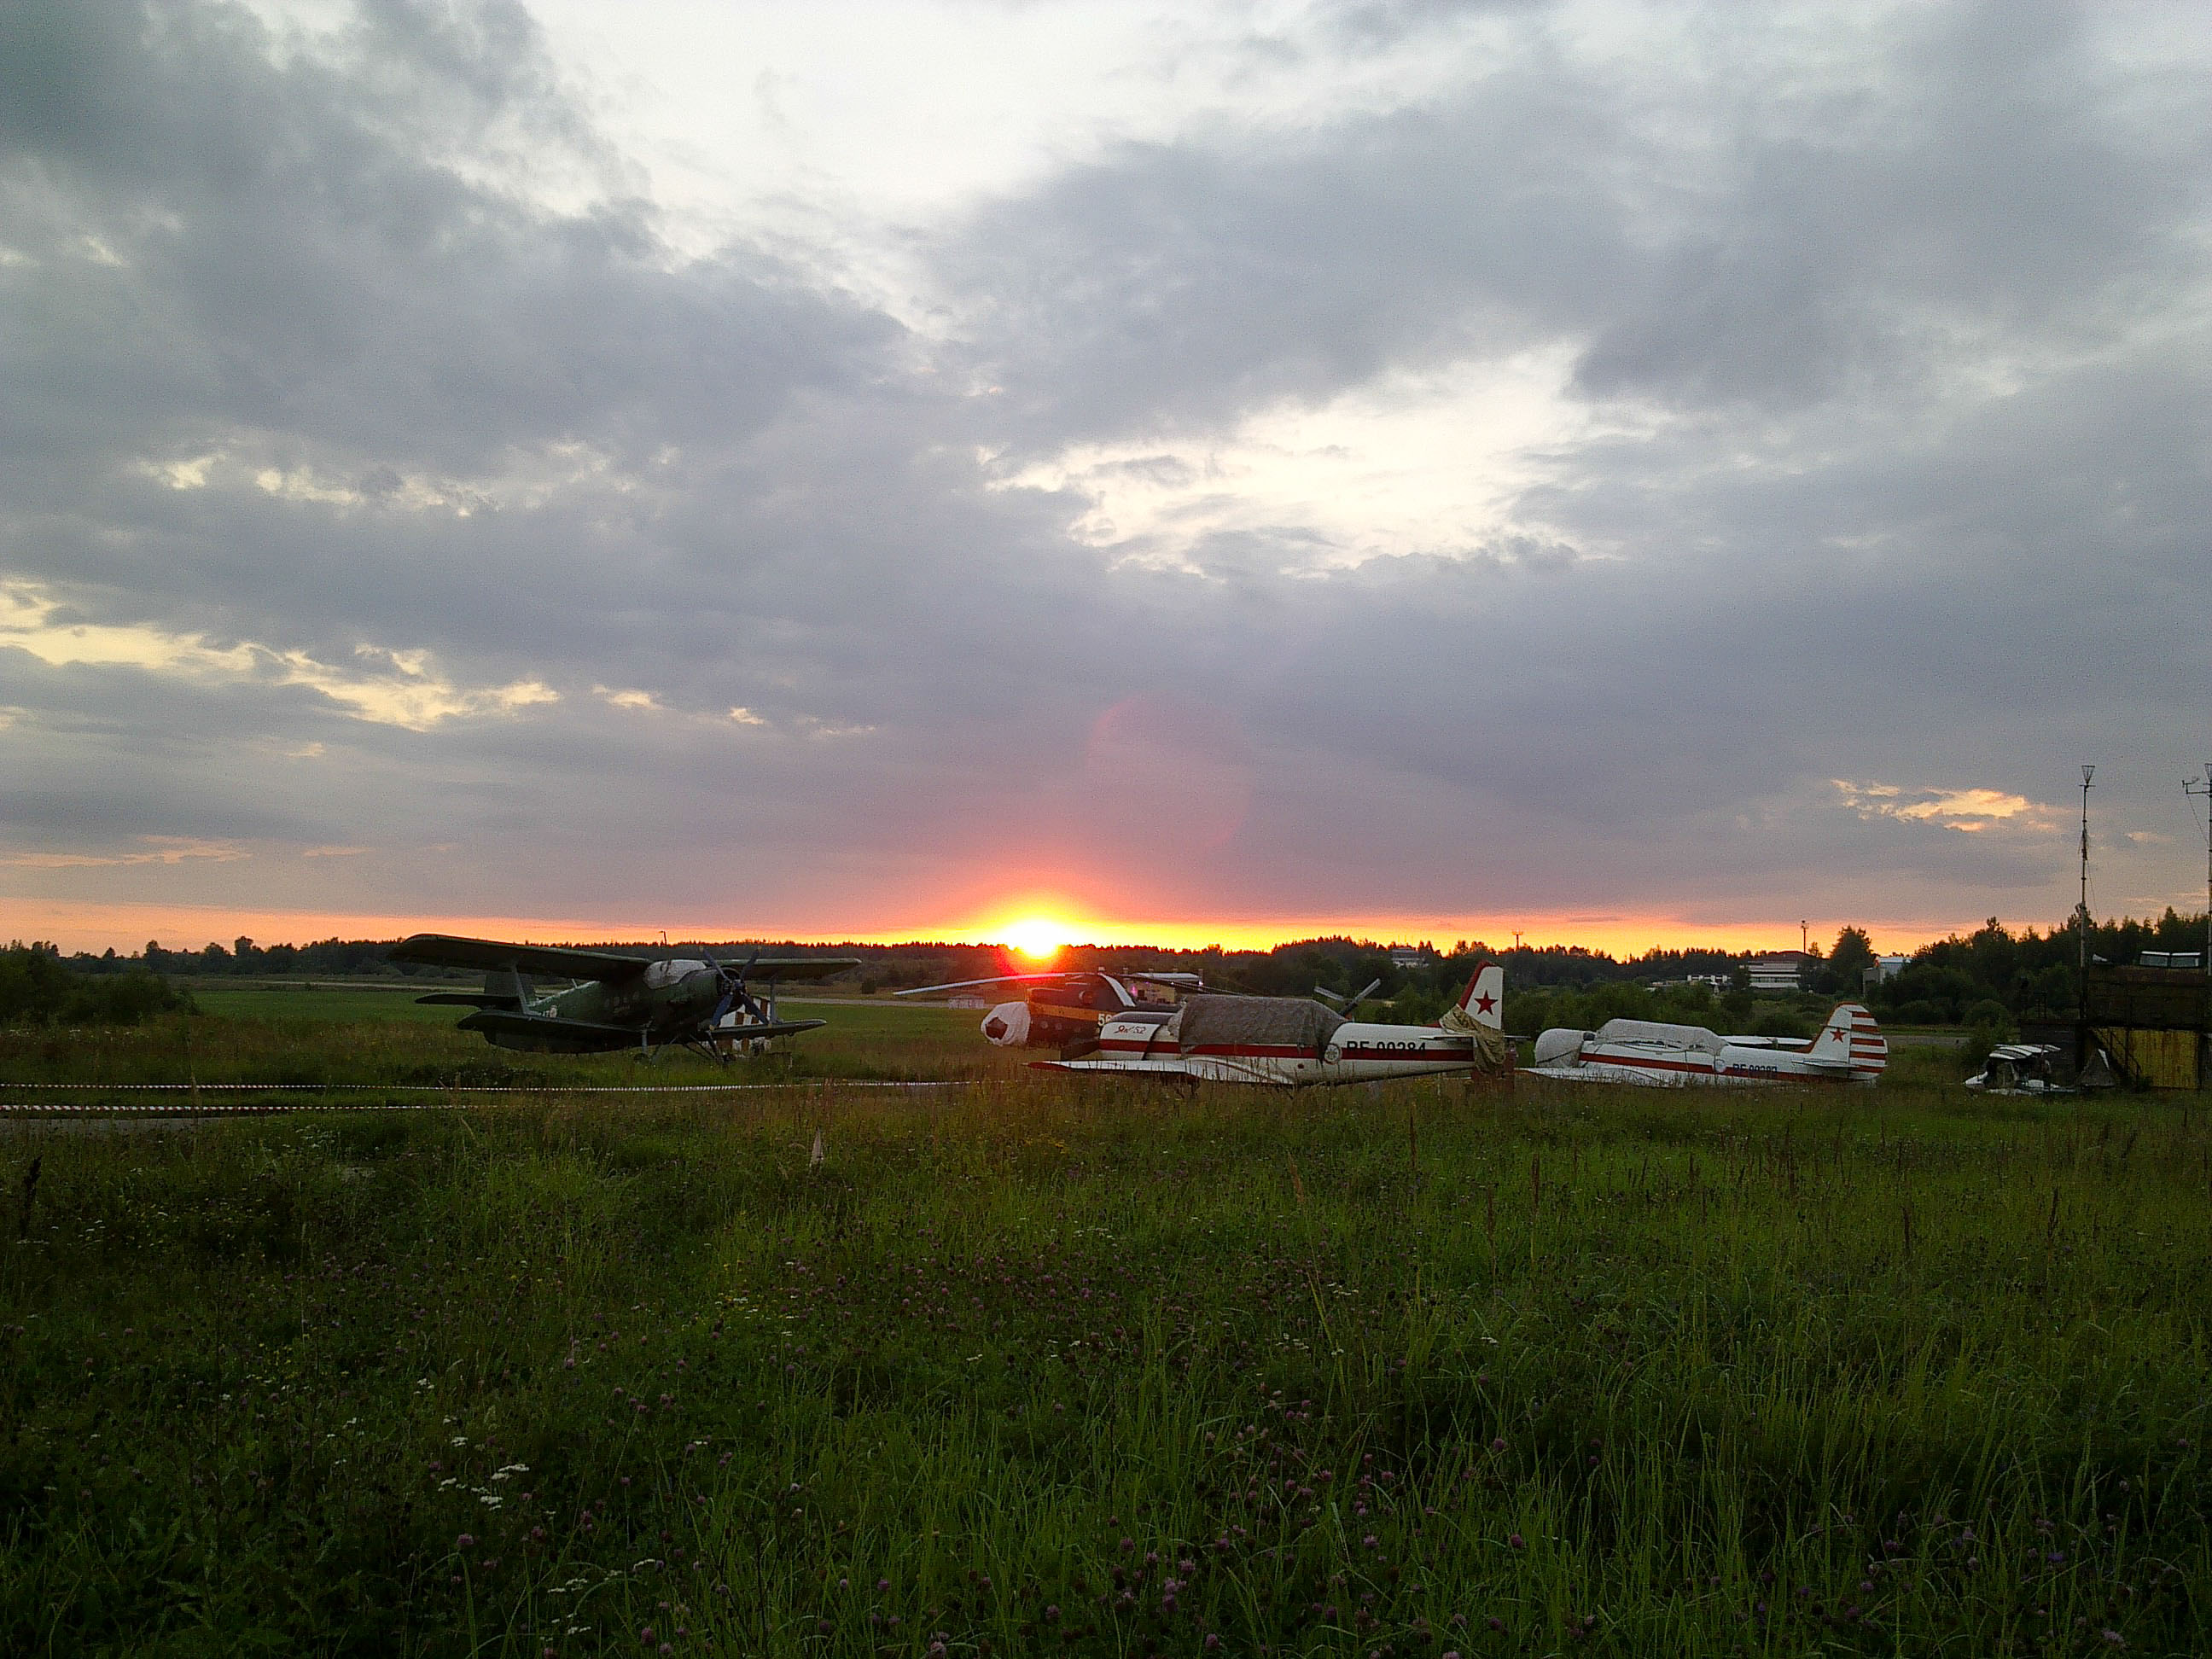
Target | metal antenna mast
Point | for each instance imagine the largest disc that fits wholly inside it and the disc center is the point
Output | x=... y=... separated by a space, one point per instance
x=2204 y=788
x=2081 y=916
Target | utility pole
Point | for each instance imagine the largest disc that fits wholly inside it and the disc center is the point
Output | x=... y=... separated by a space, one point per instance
x=2204 y=788
x=2081 y=916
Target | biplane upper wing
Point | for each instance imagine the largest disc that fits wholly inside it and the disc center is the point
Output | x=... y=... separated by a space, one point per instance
x=565 y=962
x=493 y=957
x=789 y=967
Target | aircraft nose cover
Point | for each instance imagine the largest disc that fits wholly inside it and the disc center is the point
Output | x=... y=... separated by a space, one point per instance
x=1008 y=1025
x=1559 y=1046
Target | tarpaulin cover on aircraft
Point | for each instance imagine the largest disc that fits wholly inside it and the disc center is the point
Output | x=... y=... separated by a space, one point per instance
x=1490 y=1049
x=1273 y=1022
x=1694 y=1037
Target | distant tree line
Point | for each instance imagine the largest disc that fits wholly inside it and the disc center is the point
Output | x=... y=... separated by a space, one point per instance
x=336 y=958
x=1991 y=978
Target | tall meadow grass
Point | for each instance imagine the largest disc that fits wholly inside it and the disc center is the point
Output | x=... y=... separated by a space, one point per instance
x=1026 y=1367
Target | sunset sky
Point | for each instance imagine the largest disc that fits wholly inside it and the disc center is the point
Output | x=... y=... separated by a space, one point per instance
x=1194 y=472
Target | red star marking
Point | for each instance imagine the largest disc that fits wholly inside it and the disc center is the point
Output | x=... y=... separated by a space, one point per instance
x=1487 y=1002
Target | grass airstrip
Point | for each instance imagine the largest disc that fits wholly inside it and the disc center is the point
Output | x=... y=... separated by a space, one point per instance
x=1023 y=1367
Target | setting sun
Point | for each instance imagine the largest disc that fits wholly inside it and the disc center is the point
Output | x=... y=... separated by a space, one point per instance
x=1036 y=937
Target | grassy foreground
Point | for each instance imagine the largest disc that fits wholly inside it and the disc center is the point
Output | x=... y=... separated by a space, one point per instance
x=1021 y=1368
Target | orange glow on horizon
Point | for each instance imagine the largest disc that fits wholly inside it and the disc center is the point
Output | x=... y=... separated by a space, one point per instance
x=1037 y=938
x=77 y=925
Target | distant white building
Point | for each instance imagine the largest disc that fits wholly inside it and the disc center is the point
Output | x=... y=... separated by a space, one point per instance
x=1713 y=981
x=1410 y=958
x=1886 y=969
x=1783 y=972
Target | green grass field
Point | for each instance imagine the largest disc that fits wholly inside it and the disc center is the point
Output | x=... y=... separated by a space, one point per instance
x=1024 y=1367
x=358 y=1037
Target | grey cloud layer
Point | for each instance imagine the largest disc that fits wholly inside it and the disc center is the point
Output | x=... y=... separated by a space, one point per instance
x=1905 y=337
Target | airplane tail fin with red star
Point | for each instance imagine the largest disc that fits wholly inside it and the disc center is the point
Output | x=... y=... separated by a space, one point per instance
x=1483 y=1002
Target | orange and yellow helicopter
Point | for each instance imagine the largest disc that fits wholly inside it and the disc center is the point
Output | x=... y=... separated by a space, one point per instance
x=1061 y=1007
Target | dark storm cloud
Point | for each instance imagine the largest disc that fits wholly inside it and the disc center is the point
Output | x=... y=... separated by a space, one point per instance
x=305 y=252
x=367 y=342
x=1704 y=242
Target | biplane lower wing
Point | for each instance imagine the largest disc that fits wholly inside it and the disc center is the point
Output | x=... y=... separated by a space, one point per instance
x=549 y=1033
x=762 y=1031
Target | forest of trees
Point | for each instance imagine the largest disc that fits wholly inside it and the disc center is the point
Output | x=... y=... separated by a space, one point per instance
x=37 y=988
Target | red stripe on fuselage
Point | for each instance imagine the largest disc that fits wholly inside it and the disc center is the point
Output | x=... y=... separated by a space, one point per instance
x=1649 y=1063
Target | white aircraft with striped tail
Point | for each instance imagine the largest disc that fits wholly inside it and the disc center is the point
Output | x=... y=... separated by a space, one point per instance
x=1850 y=1049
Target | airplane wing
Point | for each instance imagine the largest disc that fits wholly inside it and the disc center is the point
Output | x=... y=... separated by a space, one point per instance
x=996 y=979
x=492 y=957
x=586 y=1034
x=762 y=1031
x=1206 y=1068
x=1598 y=1072
x=1171 y=1067
x=547 y=1027
x=794 y=967
x=564 y=962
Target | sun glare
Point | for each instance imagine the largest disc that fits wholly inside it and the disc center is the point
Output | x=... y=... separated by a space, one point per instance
x=1036 y=937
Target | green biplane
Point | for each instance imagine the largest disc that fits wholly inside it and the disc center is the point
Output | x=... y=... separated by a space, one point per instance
x=616 y=1001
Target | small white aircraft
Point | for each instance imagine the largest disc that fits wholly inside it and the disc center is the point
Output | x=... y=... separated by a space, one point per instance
x=1292 y=1043
x=1850 y=1049
x=2019 y=1069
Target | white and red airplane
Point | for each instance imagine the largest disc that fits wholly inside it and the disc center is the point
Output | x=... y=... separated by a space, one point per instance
x=1292 y=1043
x=1850 y=1049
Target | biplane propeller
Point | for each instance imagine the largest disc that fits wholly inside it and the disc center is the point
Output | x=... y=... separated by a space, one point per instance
x=1343 y=1004
x=617 y=1000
